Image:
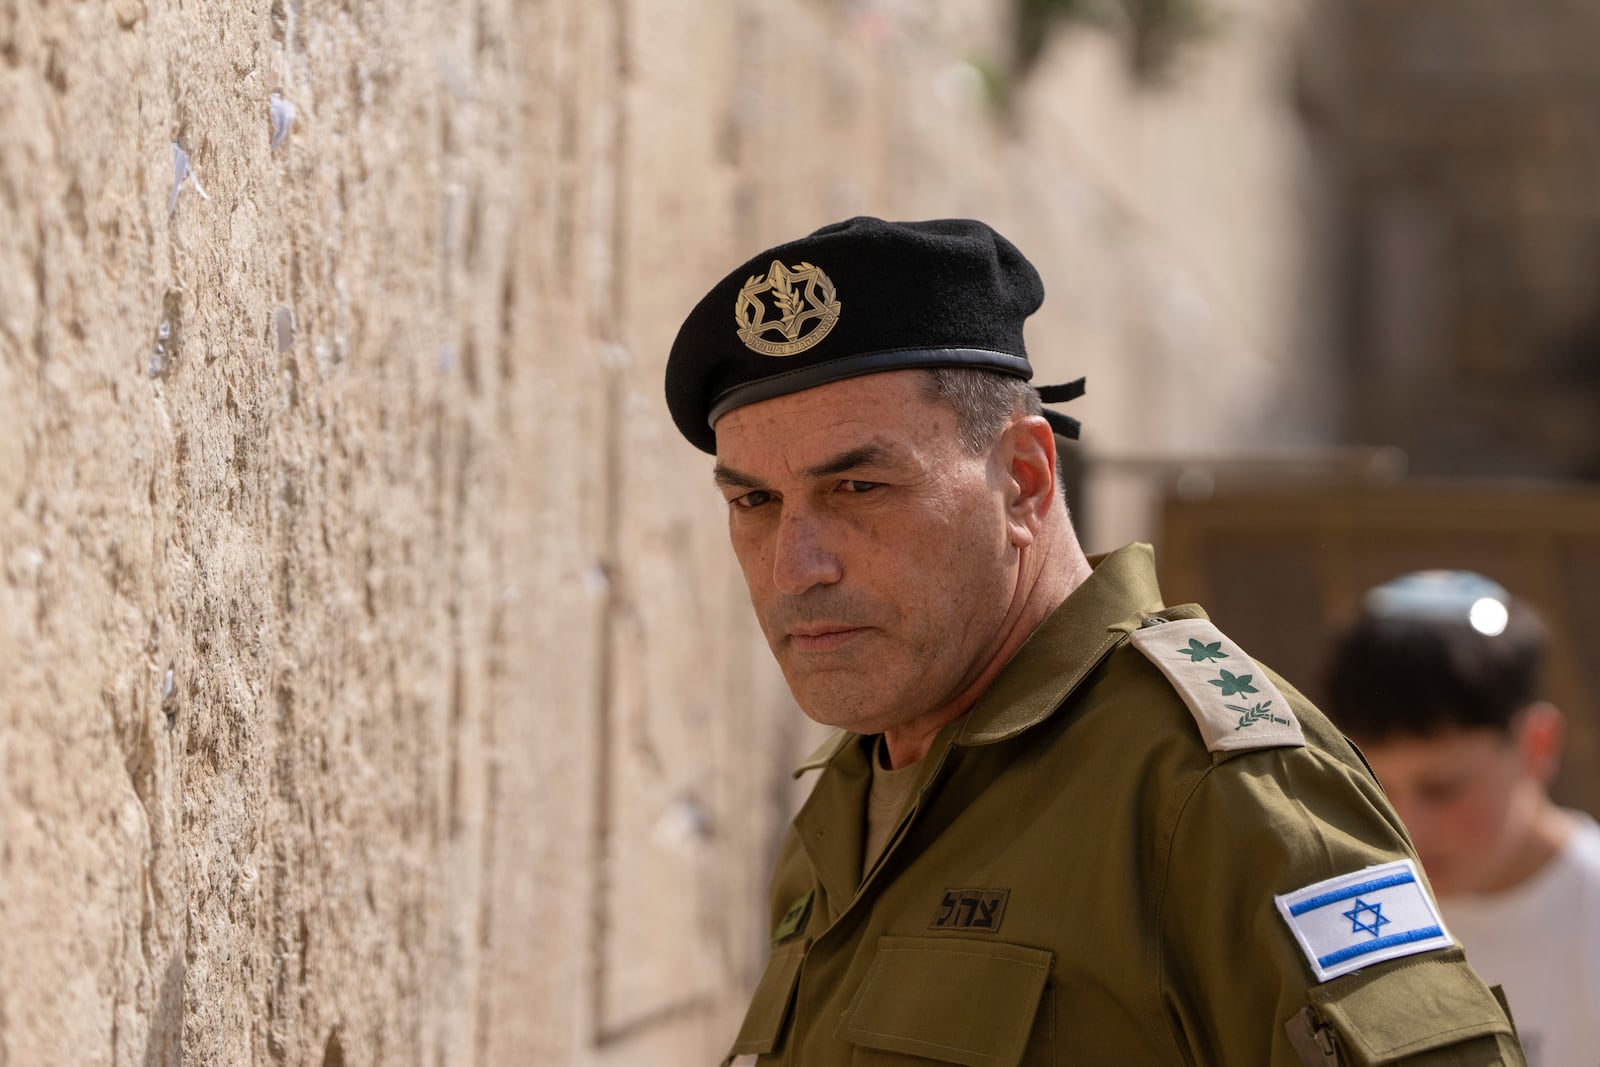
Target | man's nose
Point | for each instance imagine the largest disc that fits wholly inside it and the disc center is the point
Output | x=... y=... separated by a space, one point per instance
x=803 y=558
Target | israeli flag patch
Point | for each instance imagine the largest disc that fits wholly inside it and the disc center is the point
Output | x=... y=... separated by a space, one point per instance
x=1356 y=920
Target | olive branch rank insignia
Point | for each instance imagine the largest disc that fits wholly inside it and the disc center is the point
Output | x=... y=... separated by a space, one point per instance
x=1261 y=712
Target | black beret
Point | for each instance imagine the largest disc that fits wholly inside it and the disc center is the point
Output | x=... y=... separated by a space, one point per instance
x=855 y=297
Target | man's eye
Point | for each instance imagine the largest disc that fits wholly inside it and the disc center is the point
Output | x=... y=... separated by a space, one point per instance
x=753 y=499
x=855 y=485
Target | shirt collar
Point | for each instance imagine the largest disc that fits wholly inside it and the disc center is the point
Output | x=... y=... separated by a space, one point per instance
x=1097 y=616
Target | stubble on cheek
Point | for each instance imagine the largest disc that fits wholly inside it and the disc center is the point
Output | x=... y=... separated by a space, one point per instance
x=841 y=687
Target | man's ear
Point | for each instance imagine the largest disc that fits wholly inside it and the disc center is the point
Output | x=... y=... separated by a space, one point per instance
x=1028 y=447
x=1540 y=729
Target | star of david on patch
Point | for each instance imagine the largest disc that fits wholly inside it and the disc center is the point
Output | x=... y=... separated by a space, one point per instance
x=1364 y=917
x=1379 y=920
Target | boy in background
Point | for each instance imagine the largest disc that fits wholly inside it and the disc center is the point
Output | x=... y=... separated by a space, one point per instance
x=1437 y=682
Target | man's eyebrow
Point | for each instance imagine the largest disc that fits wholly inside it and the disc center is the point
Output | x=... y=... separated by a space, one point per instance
x=727 y=476
x=844 y=461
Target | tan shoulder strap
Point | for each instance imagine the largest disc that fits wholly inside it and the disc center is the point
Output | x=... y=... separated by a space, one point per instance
x=1233 y=700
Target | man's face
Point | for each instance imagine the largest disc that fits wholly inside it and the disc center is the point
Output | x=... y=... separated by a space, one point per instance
x=875 y=548
x=1467 y=798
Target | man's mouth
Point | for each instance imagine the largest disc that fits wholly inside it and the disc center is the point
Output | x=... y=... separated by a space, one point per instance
x=827 y=637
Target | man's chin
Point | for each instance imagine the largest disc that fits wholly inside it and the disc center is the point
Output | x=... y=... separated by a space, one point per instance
x=832 y=709
x=842 y=719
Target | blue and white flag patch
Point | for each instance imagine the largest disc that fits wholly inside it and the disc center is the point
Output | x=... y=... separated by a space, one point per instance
x=1356 y=920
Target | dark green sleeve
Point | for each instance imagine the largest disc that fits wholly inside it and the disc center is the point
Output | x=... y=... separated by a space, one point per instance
x=1270 y=822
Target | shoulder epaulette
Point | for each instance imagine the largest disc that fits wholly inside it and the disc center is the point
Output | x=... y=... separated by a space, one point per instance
x=1233 y=700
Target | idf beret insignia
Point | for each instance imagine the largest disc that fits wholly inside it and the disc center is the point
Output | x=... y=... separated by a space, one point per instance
x=855 y=297
x=802 y=294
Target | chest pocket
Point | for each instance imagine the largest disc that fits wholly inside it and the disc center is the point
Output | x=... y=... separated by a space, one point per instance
x=764 y=1023
x=950 y=1000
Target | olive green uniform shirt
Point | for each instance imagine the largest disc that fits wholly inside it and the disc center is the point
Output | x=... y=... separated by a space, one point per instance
x=1079 y=880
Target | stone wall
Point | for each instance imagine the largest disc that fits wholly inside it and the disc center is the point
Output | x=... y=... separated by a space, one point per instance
x=377 y=686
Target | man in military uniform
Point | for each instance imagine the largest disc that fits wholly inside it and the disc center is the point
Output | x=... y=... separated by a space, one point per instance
x=1061 y=822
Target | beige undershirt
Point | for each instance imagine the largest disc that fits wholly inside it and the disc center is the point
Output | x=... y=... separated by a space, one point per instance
x=887 y=798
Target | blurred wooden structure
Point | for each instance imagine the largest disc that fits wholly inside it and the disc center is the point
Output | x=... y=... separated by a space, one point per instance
x=1281 y=568
x=1460 y=137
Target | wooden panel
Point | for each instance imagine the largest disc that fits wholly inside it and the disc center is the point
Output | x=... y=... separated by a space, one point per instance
x=1282 y=570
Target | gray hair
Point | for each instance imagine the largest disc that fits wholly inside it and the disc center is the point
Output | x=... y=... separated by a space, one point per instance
x=984 y=401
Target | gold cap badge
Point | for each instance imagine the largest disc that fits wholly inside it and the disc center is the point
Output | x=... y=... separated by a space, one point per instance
x=803 y=300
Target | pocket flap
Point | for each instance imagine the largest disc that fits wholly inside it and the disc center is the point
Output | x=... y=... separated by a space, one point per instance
x=1430 y=1004
x=954 y=1000
x=769 y=1005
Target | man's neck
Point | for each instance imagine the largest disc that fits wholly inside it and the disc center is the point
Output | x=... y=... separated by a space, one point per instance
x=1047 y=574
